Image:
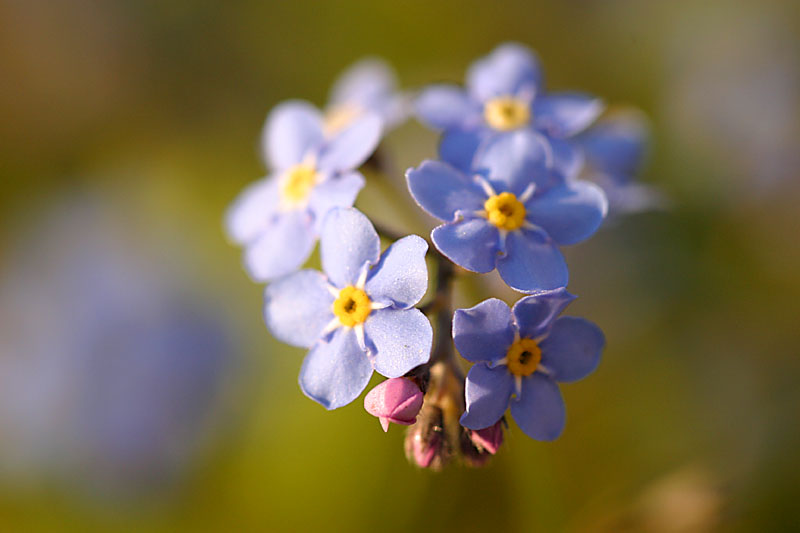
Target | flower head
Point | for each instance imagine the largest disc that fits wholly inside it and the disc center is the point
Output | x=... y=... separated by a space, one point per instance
x=614 y=150
x=358 y=315
x=395 y=400
x=369 y=85
x=278 y=219
x=511 y=215
x=504 y=94
x=520 y=356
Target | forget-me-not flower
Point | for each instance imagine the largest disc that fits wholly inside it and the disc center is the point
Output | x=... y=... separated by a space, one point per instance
x=614 y=150
x=369 y=85
x=521 y=354
x=512 y=216
x=277 y=219
x=505 y=93
x=359 y=315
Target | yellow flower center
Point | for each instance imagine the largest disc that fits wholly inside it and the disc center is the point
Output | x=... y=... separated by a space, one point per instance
x=506 y=113
x=505 y=211
x=352 y=306
x=299 y=181
x=339 y=117
x=523 y=357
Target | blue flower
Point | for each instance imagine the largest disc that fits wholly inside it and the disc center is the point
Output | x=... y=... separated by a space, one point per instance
x=277 y=219
x=107 y=356
x=512 y=216
x=368 y=85
x=521 y=354
x=505 y=93
x=357 y=317
x=614 y=150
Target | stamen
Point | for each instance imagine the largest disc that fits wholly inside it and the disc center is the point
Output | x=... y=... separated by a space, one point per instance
x=507 y=113
x=524 y=357
x=352 y=306
x=298 y=183
x=505 y=211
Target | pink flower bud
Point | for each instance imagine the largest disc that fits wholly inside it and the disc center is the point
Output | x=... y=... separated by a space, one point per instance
x=490 y=438
x=425 y=453
x=395 y=400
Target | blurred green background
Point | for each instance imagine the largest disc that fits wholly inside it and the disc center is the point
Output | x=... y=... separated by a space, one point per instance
x=150 y=113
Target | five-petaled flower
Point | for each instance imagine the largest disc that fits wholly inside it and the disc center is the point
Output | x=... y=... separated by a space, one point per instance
x=511 y=214
x=278 y=219
x=520 y=356
x=359 y=315
x=505 y=94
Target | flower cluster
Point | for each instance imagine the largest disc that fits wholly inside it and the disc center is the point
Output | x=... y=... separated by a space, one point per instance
x=520 y=173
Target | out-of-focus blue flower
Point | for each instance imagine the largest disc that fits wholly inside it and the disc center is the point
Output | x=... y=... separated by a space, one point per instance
x=278 y=219
x=359 y=315
x=614 y=150
x=368 y=85
x=512 y=216
x=521 y=354
x=505 y=93
x=110 y=372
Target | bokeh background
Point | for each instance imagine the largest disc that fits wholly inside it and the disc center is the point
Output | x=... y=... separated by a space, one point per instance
x=139 y=389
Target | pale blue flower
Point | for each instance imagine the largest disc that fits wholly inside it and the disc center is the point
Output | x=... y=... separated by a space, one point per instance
x=505 y=93
x=277 y=219
x=521 y=354
x=359 y=315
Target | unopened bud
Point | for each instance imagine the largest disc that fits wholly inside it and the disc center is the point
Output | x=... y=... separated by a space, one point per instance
x=488 y=439
x=395 y=400
x=425 y=441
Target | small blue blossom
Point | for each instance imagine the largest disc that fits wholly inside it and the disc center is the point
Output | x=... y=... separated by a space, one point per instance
x=521 y=354
x=614 y=150
x=505 y=93
x=368 y=85
x=278 y=219
x=512 y=215
x=359 y=315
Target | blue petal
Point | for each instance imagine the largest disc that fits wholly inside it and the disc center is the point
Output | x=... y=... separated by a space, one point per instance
x=364 y=83
x=348 y=243
x=283 y=247
x=535 y=313
x=335 y=192
x=532 y=263
x=401 y=276
x=371 y=85
x=625 y=197
x=509 y=69
x=572 y=349
x=401 y=340
x=565 y=114
x=351 y=146
x=441 y=190
x=616 y=144
x=253 y=210
x=297 y=308
x=445 y=106
x=293 y=130
x=458 y=147
x=539 y=411
x=569 y=213
x=472 y=244
x=484 y=332
x=487 y=391
x=514 y=160
x=335 y=373
x=567 y=158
